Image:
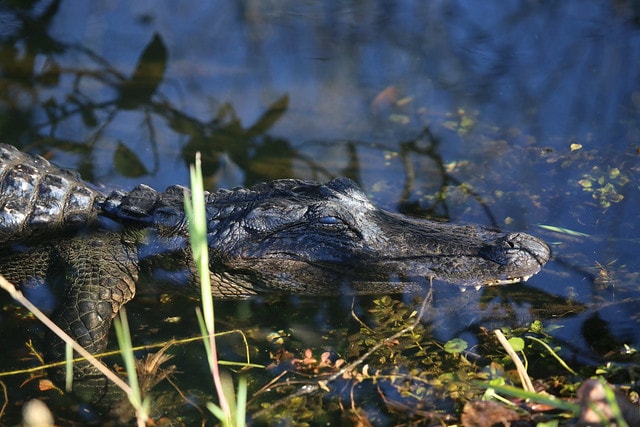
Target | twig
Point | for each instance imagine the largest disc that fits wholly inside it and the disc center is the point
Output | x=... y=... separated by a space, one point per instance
x=522 y=372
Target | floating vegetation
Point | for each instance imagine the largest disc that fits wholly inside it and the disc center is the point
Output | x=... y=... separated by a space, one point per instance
x=604 y=186
x=462 y=121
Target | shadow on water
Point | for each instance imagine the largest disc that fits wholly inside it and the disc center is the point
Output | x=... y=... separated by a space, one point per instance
x=446 y=119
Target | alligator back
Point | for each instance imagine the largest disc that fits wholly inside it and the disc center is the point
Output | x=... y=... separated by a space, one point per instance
x=36 y=196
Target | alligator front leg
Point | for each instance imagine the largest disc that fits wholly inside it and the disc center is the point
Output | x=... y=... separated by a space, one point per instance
x=100 y=272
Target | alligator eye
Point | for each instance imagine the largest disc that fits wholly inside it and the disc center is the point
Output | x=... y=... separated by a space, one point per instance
x=336 y=224
x=329 y=220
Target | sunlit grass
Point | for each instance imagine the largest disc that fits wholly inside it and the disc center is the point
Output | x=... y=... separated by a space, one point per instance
x=123 y=335
x=230 y=412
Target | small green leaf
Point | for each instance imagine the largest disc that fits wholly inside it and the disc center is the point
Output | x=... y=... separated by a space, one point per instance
x=550 y=423
x=614 y=173
x=585 y=183
x=516 y=343
x=456 y=345
x=536 y=327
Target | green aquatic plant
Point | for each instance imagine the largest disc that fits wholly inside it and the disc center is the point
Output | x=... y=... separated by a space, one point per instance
x=604 y=186
x=123 y=335
x=230 y=412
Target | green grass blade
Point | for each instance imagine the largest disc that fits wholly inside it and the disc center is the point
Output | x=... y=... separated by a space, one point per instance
x=196 y=213
x=195 y=210
x=563 y=230
x=241 y=403
x=554 y=354
x=532 y=396
x=215 y=410
x=124 y=342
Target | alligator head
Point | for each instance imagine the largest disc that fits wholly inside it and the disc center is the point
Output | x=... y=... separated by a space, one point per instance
x=326 y=238
x=308 y=238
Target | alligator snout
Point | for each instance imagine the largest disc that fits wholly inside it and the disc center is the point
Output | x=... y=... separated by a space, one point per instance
x=520 y=253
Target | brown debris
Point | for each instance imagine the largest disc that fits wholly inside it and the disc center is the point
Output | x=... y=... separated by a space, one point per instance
x=484 y=413
x=596 y=409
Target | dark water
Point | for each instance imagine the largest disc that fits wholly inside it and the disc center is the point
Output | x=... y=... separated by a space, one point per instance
x=521 y=115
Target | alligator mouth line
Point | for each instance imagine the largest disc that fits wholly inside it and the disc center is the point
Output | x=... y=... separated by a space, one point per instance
x=345 y=270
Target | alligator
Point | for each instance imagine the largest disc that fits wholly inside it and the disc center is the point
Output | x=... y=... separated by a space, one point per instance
x=87 y=248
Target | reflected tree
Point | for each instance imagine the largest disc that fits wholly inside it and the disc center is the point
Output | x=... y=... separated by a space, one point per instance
x=222 y=136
